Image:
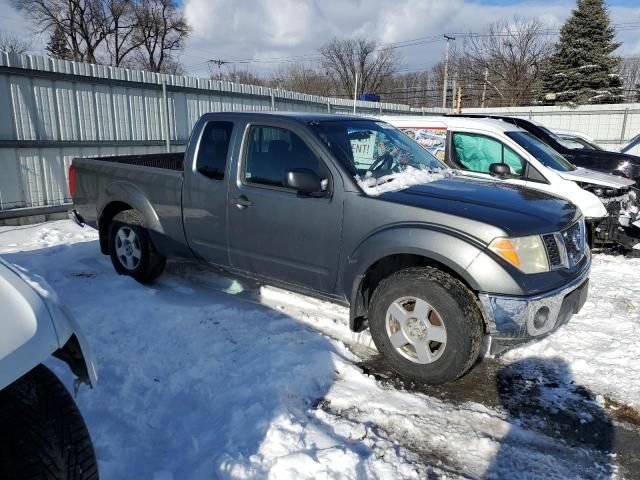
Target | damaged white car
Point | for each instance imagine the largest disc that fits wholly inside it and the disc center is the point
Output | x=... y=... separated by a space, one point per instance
x=42 y=433
x=494 y=149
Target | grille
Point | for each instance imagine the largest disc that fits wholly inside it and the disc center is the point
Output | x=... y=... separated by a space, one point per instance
x=553 y=252
x=565 y=249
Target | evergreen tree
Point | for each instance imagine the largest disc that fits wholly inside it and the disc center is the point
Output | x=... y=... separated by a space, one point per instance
x=57 y=45
x=582 y=68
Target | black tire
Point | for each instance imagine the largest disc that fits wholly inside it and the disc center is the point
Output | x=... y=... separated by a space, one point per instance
x=150 y=264
x=42 y=434
x=460 y=313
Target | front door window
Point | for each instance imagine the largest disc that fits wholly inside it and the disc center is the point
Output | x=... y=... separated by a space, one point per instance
x=477 y=152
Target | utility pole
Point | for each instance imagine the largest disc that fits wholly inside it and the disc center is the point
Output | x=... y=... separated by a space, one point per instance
x=459 y=106
x=453 y=91
x=219 y=63
x=446 y=71
x=355 y=93
x=484 y=86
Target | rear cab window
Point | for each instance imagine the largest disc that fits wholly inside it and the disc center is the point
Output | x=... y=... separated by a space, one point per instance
x=213 y=149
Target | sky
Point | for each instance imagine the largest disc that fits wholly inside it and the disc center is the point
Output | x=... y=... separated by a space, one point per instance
x=262 y=35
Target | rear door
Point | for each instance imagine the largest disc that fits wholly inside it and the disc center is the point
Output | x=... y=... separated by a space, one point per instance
x=275 y=232
x=204 y=195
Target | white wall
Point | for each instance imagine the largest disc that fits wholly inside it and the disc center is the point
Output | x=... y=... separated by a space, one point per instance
x=602 y=122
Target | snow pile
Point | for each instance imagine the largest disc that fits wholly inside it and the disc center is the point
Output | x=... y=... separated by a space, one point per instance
x=204 y=376
x=394 y=182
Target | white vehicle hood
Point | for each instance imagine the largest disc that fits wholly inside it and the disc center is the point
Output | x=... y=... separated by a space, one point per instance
x=33 y=325
x=591 y=206
x=585 y=175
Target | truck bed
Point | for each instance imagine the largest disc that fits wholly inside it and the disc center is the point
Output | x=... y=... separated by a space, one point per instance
x=151 y=184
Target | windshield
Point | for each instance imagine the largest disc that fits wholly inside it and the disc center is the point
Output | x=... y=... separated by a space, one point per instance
x=541 y=151
x=550 y=134
x=371 y=149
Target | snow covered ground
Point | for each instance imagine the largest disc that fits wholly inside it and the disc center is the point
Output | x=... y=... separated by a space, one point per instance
x=203 y=376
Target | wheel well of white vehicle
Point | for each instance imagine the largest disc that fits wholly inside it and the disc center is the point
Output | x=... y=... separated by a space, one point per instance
x=71 y=354
x=110 y=211
x=383 y=268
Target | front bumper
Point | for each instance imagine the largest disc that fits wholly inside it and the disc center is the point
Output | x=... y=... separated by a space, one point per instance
x=515 y=320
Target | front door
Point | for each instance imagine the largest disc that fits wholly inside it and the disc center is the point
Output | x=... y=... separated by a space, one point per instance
x=275 y=232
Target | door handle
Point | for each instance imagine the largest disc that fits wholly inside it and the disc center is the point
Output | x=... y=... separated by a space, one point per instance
x=242 y=202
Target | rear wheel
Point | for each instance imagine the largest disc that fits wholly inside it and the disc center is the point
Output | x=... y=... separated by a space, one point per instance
x=42 y=434
x=131 y=249
x=427 y=324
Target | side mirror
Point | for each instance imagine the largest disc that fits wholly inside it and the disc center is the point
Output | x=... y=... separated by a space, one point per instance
x=500 y=169
x=304 y=181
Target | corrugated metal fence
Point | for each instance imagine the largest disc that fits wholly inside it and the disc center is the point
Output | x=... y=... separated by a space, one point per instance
x=54 y=110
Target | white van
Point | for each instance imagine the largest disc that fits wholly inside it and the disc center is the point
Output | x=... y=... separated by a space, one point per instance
x=478 y=146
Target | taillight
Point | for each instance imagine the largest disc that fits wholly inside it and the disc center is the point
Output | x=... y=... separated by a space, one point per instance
x=72 y=181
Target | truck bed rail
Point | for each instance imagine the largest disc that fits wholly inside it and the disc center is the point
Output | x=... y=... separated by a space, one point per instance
x=168 y=161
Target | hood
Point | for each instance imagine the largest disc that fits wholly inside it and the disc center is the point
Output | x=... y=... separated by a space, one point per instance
x=602 y=154
x=515 y=210
x=585 y=175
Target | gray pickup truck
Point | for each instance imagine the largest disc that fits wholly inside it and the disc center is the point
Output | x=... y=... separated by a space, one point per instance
x=350 y=210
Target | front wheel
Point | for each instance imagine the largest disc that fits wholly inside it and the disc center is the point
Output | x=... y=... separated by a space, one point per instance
x=42 y=434
x=427 y=324
x=131 y=249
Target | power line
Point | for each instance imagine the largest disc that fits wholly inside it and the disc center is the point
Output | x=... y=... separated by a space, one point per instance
x=219 y=63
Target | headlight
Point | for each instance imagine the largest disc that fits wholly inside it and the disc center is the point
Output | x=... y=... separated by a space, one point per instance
x=528 y=254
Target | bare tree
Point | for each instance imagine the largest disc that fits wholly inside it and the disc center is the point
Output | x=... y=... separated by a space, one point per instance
x=508 y=59
x=122 y=39
x=85 y=23
x=343 y=59
x=410 y=88
x=236 y=75
x=161 y=32
x=629 y=70
x=147 y=33
x=302 y=78
x=11 y=43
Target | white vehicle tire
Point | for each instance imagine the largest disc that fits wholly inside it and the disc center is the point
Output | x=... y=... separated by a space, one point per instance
x=42 y=433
